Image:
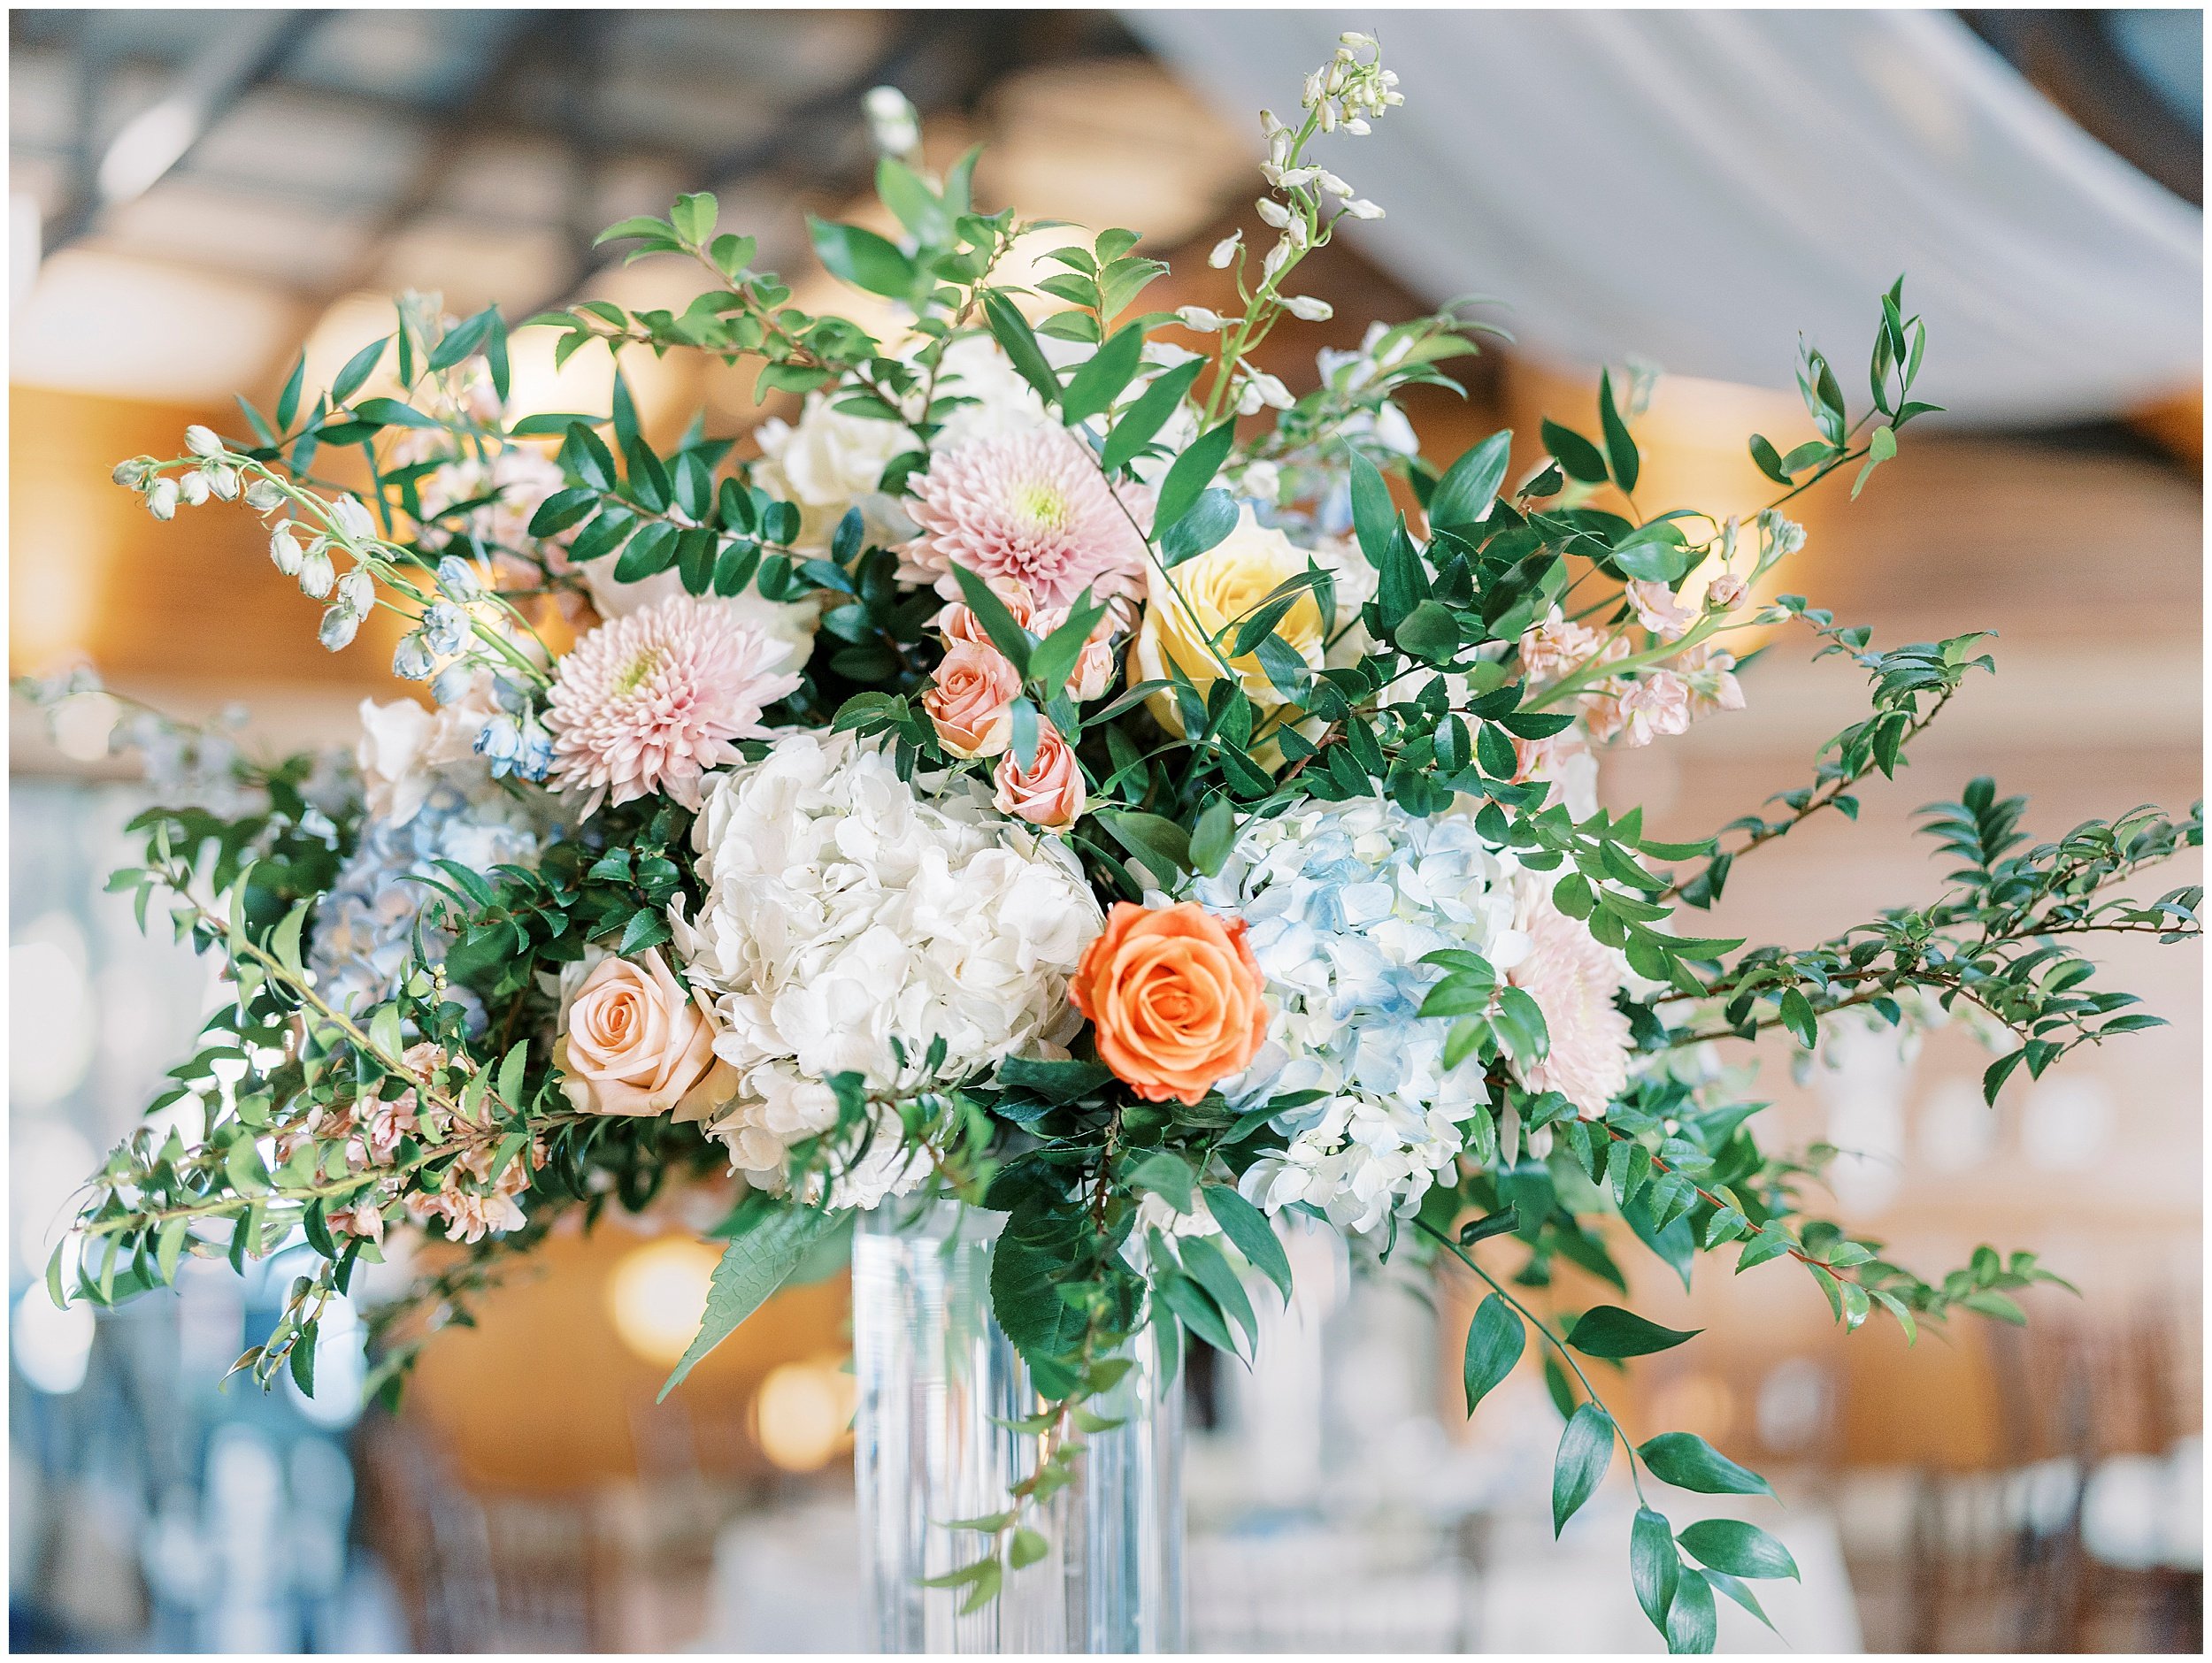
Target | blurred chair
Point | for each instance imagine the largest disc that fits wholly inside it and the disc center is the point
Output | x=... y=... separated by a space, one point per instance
x=2086 y=1535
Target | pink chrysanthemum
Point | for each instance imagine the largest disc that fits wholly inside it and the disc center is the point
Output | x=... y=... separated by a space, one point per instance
x=650 y=701
x=1029 y=507
x=1572 y=977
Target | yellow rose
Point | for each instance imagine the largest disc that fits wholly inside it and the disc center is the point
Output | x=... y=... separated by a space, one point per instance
x=1218 y=588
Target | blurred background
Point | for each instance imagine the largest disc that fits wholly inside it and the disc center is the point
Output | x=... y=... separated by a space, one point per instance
x=193 y=195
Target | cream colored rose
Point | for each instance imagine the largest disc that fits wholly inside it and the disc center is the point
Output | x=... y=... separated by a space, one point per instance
x=1221 y=586
x=632 y=1042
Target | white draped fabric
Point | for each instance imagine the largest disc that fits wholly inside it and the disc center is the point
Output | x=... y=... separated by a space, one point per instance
x=1698 y=187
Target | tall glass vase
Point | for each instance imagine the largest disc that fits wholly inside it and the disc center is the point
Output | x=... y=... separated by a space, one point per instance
x=937 y=1381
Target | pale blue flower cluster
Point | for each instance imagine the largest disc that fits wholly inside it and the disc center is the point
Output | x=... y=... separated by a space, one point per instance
x=365 y=926
x=1341 y=901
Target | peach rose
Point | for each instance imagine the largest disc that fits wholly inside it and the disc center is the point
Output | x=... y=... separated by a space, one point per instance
x=1049 y=791
x=632 y=1042
x=1093 y=670
x=1174 y=996
x=975 y=684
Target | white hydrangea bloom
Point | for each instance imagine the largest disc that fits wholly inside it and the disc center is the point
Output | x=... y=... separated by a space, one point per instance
x=1341 y=901
x=847 y=909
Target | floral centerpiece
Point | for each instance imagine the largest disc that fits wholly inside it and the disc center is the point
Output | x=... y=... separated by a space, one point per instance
x=1060 y=770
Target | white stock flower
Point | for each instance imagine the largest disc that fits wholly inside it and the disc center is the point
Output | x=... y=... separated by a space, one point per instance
x=1360 y=208
x=202 y=441
x=1226 y=250
x=1205 y=319
x=1341 y=903
x=161 y=498
x=352 y=518
x=1273 y=212
x=847 y=909
x=1271 y=392
x=316 y=573
x=893 y=122
x=285 y=550
x=194 y=486
x=1305 y=306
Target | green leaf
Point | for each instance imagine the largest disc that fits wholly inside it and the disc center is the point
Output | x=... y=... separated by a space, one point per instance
x=1167 y=1175
x=1012 y=331
x=652 y=550
x=1209 y=520
x=1578 y=456
x=1007 y=635
x=1193 y=472
x=1692 y=1625
x=464 y=338
x=288 y=400
x=1431 y=632
x=917 y=207
x=1033 y=1258
x=389 y=412
x=1768 y=460
x=1029 y=1547
x=357 y=370
x=1463 y=495
x=1162 y=845
x=1495 y=1340
x=862 y=258
x=1197 y=1309
x=1619 y=447
x=1213 y=837
x=1724 y=1583
x=637 y=226
x=1586 y=1450
x=1738 y=1549
x=1797 y=1017
x=1374 y=516
x=301 y=1359
x=1206 y=1264
x=1056 y=657
x=1098 y=383
x=775 y=1236
x=1654 y=1566
x=1994 y=1076
x=1688 y=1462
x=1143 y=419
x=1607 y=1330
x=1248 y=1229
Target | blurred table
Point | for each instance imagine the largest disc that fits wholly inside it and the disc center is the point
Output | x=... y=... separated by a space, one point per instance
x=786 y=1580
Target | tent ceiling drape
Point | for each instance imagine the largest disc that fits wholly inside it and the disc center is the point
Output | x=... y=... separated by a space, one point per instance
x=1698 y=187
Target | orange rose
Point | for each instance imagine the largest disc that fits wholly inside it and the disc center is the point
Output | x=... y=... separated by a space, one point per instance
x=1049 y=791
x=1174 y=996
x=970 y=704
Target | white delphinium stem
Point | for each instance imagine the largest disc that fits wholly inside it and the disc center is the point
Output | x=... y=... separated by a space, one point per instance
x=1347 y=93
x=344 y=525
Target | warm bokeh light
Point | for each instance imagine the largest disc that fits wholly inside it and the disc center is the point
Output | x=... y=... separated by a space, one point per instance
x=803 y=1414
x=657 y=1294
